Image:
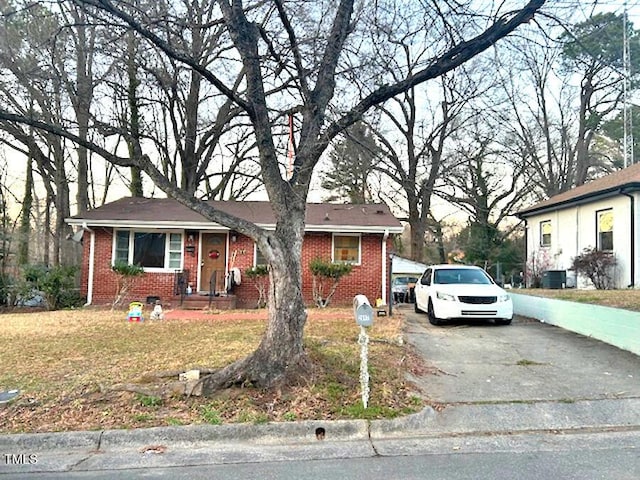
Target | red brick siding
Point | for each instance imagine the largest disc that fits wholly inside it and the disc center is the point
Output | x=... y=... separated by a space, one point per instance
x=365 y=278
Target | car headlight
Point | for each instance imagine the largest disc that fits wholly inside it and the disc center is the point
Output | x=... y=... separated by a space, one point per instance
x=503 y=298
x=445 y=296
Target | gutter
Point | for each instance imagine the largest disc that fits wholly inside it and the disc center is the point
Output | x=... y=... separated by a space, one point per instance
x=579 y=200
x=92 y=248
x=526 y=252
x=632 y=226
x=211 y=226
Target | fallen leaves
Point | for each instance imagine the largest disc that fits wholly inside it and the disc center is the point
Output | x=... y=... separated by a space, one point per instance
x=87 y=370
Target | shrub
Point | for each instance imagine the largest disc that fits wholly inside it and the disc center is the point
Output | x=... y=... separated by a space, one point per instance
x=539 y=262
x=324 y=273
x=56 y=284
x=597 y=266
x=259 y=274
x=127 y=275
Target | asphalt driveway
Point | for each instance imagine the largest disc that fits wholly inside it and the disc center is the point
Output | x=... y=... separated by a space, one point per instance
x=527 y=361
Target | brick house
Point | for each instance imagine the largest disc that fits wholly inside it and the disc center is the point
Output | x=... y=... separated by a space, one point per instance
x=179 y=248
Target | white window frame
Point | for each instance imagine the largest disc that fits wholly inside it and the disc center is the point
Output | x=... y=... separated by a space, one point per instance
x=333 y=247
x=167 y=248
x=542 y=224
x=599 y=214
x=256 y=251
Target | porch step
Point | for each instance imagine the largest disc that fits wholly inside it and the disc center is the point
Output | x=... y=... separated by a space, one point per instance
x=201 y=302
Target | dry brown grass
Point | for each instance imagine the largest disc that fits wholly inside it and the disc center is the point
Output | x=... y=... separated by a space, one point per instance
x=67 y=363
x=626 y=299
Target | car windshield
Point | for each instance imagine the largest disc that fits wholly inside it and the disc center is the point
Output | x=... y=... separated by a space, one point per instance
x=404 y=280
x=460 y=275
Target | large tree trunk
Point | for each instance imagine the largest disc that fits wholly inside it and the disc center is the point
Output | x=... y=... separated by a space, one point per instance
x=280 y=357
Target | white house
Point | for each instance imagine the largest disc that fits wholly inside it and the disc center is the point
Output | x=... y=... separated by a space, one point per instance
x=602 y=214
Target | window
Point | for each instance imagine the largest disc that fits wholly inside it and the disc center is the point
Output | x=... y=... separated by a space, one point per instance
x=545 y=233
x=426 y=277
x=122 y=246
x=175 y=251
x=259 y=257
x=605 y=230
x=346 y=249
x=149 y=249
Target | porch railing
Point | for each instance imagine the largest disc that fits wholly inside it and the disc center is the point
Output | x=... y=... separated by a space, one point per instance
x=181 y=284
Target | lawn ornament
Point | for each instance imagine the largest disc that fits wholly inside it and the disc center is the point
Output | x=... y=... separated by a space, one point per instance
x=157 y=313
x=135 y=312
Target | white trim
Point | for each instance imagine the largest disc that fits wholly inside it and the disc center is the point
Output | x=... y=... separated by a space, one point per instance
x=255 y=255
x=333 y=246
x=199 y=265
x=226 y=262
x=541 y=233
x=160 y=225
x=384 y=266
x=92 y=249
x=131 y=247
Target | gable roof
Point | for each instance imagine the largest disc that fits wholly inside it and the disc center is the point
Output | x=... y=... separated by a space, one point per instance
x=132 y=212
x=625 y=180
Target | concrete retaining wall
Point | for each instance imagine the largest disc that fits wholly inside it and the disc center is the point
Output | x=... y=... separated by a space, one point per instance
x=614 y=326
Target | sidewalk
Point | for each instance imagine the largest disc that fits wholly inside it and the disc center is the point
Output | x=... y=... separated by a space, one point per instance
x=224 y=444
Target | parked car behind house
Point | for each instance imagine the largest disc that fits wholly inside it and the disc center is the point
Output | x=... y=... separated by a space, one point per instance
x=402 y=288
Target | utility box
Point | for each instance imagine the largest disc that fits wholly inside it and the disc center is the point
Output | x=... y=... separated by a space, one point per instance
x=554 y=279
x=362 y=311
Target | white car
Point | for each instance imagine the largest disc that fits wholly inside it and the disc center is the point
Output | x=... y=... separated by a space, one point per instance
x=448 y=292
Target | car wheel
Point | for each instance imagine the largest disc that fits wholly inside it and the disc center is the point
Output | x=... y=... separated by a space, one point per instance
x=416 y=308
x=433 y=320
x=503 y=321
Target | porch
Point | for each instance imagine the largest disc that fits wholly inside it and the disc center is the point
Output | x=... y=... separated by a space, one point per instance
x=204 y=301
x=213 y=299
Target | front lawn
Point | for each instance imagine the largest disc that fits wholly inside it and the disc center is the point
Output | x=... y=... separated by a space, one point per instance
x=628 y=299
x=91 y=369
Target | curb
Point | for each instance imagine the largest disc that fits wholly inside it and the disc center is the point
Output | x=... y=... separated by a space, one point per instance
x=262 y=434
x=509 y=418
x=464 y=419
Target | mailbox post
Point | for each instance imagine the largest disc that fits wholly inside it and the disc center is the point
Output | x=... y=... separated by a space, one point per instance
x=363 y=313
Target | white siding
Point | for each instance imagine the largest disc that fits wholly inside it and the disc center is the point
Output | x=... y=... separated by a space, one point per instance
x=575 y=228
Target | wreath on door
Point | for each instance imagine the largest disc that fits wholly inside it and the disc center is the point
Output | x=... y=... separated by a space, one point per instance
x=213 y=254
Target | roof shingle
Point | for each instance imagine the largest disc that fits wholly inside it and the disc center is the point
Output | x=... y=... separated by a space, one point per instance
x=626 y=178
x=167 y=211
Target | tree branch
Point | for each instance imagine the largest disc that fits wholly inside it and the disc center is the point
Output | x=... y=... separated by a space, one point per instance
x=443 y=64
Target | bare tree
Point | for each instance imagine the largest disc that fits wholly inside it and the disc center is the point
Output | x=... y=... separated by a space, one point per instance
x=31 y=58
x=289 y=56
x=487 y=182
x=414 y=164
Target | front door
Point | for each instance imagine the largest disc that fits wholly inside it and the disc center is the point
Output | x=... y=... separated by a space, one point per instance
x=214 y=258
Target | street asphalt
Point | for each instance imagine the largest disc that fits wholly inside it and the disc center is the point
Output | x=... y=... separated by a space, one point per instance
x=545 y=395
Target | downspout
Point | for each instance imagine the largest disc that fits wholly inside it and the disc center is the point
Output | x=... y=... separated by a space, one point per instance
x=384 y=264
x=632 y=225
x=523 y=280
x=92 y=247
